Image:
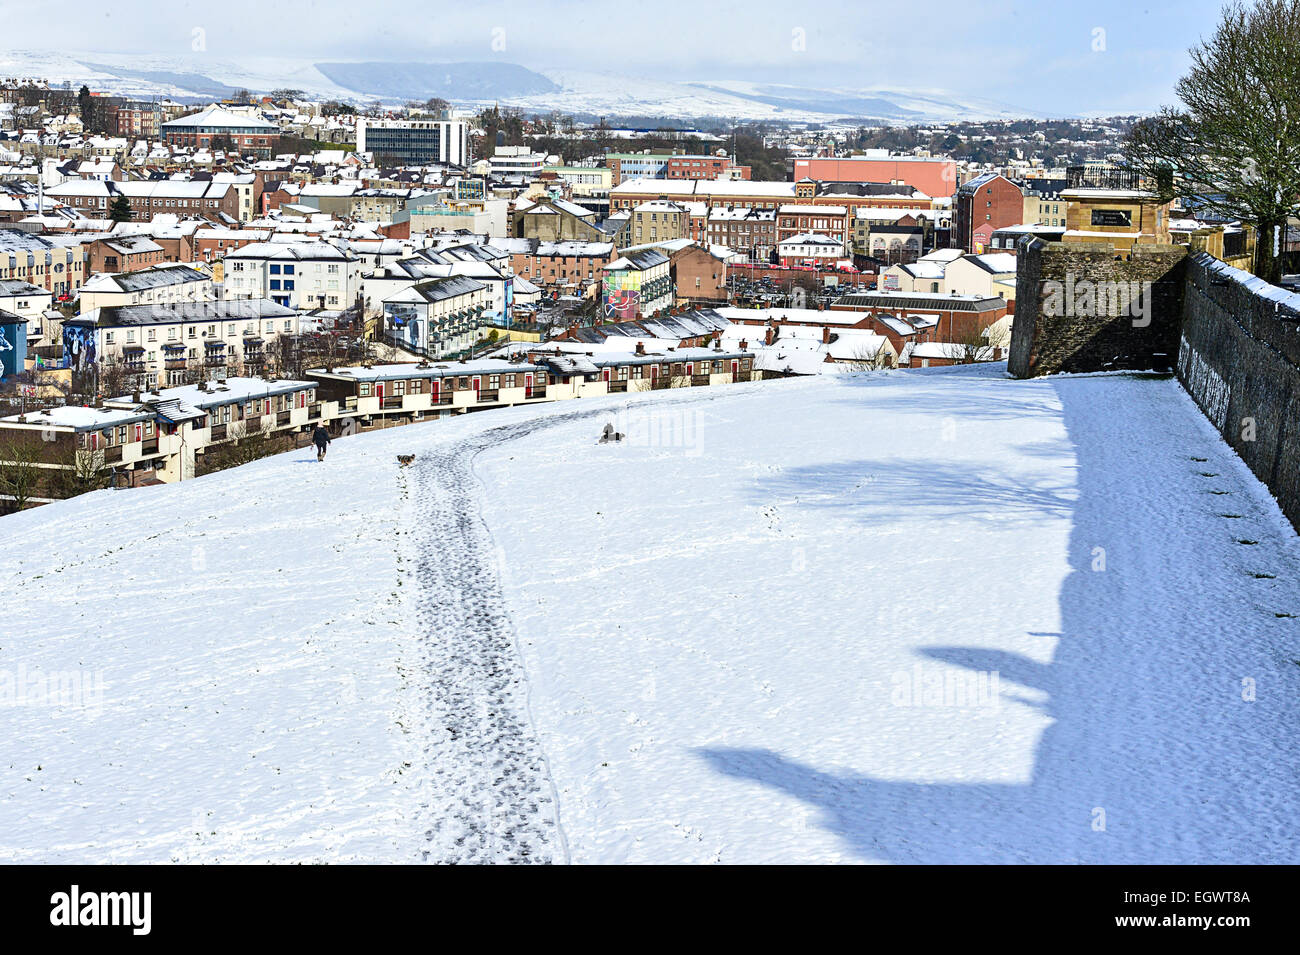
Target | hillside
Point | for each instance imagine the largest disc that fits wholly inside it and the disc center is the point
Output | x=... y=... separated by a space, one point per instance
x=744 y=634
x=582 y=92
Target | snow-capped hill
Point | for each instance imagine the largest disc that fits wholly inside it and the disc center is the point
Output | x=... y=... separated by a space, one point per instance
x=200 y=75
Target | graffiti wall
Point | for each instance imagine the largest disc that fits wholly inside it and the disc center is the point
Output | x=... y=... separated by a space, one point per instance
x=622 y=296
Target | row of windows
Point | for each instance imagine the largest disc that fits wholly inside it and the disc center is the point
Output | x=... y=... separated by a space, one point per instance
x=416 y=385
x=173 y=331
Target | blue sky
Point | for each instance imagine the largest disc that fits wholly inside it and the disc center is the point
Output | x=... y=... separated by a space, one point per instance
x=1036 y=55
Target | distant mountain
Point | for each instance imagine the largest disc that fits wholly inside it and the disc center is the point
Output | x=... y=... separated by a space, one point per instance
x=582 y=93
x=796 y=99
x=451 y=81
x=190 y=82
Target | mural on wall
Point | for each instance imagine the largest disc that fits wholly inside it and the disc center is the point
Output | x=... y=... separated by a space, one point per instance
x=78 y=346
x=403 y=320
x=13 y=348
x=622 y=296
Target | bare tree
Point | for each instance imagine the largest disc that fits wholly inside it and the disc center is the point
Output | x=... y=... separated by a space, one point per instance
x=1233 y=148
x=78 y=471
x=20 y=471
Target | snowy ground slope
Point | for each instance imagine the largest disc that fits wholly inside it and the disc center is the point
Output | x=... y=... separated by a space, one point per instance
x=694 y=645
x=720 y=637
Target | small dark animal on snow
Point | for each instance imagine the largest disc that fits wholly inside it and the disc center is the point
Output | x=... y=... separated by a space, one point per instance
x=405 y=459
x=609 y=434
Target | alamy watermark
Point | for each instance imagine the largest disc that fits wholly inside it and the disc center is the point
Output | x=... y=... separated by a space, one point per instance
x=1085 y=298
x=72 y=689
x=945 y=687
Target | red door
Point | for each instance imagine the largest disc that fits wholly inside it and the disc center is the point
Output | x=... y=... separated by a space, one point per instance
x=379 y=390
x=139 y=432
x=735 y=369
x=528 y=385
x=605 y=375
x=478 y=383
x=434 y=387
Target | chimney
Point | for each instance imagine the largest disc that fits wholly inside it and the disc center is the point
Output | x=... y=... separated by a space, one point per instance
x=744 y=345
x=640 y=348
x=135 y=397
x=771 y=335
x=826 y=334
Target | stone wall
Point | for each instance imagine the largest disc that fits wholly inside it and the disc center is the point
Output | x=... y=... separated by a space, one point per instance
x=1239 y=359
x=1084 y=307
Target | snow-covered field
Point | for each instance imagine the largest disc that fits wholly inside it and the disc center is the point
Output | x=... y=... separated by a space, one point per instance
x=930 y=616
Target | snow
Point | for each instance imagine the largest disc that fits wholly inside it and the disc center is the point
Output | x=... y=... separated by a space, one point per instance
x=698 y=644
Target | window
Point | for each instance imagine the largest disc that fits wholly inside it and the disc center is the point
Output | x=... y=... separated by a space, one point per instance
x=364 y=389
x=275 y=270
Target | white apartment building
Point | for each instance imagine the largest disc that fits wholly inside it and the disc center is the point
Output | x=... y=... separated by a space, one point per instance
x=157 y=285
x=301 y=275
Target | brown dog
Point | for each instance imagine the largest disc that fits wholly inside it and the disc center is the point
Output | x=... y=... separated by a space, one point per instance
x=405 y=459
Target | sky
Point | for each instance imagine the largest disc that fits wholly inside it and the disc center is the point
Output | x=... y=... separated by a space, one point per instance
x=1053 y=57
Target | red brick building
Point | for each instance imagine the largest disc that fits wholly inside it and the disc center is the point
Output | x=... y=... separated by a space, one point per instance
x=127 y=253
x=984 y=205
x=932 y=176
x=704 y=167
x=219 y=128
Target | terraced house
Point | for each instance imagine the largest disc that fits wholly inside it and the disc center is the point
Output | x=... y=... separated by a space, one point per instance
x=154 y=285
x=174 y=344
x=220 y=201
x=150 y=437
x=438 y=318
x=302 y=275
x=404 y=393
x=57 y=266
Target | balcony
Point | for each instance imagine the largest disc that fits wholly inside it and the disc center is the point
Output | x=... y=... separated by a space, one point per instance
x=393 y=402
x=313 y=411
x=699 y=380
x=113 y=454
x=617 y=387
x=283 y=418
x=442 y=399
x=488 y=394
x=252 y=424
x=218 y=432
x=537 y=391
x=175 y=364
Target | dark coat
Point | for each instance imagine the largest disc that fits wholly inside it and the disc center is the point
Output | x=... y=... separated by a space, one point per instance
x=320 y=437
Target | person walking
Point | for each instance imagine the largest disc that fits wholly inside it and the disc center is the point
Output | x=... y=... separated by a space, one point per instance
x=321 y=438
